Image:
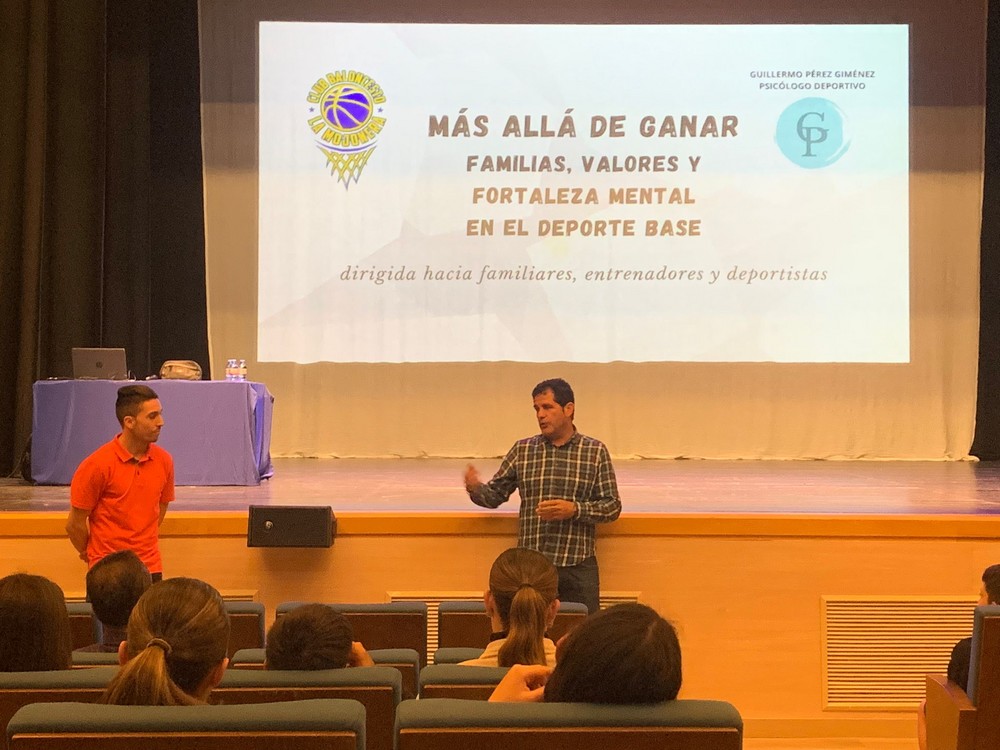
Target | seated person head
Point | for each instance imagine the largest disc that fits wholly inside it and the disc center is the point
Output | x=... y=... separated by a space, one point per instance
x=34 y=625
x=624 y=654
x=313 y=636
x=961 y=655
x=522 y=600
x=175 y=652
x=114 y=585
x=990 y=592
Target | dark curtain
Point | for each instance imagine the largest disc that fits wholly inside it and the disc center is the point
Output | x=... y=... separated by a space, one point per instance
x=101 y=210
x=986 y=444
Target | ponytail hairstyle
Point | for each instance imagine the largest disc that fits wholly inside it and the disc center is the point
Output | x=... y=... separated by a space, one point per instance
x=34 y=625
x=178 y=634
x=523 y=584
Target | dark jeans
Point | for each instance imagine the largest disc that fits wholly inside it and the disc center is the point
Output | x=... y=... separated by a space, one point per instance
x=581 y=583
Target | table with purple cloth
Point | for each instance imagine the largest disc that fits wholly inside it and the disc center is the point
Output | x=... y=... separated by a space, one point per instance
x=218 y=432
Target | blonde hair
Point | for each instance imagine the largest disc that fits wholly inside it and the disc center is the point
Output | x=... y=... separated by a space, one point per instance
x=177 y=634
x=523 y=584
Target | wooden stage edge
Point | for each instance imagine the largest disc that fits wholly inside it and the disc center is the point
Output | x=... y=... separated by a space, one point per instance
x=729 y=499
x=771 y=571
x=754 y=525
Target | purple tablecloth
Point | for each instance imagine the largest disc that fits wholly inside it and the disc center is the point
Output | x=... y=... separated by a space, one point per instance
x=217 y=432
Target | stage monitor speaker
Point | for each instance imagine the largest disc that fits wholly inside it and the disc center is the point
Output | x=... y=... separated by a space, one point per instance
x=291 y=526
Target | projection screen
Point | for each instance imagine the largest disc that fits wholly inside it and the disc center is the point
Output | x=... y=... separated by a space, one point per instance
x=736 y=237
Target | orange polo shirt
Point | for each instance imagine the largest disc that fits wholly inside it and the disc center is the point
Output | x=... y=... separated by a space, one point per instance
x=123 y=497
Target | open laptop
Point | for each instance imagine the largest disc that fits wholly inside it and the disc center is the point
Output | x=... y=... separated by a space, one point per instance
x=99 y=364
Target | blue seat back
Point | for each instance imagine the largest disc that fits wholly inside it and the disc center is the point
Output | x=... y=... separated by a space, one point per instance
x=378 y=689
x=443 y=724
x=305 y=725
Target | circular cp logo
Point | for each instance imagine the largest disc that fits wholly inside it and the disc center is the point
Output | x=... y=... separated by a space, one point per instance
x=812 y=133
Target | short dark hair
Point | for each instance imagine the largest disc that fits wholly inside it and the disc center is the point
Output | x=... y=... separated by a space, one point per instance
x=34 y=623
x=562 y=393
x=130 y=400
x=624 y=654
x=313 y=636
x=991 y=582
x=114 y=585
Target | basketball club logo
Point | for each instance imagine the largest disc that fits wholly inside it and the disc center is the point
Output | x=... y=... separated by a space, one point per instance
x=346 y=113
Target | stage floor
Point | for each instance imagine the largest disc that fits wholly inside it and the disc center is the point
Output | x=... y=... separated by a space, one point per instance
x=416 y=485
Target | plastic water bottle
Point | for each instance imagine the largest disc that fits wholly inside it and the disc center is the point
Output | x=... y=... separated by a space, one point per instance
x=231 y=370
x=241 y=371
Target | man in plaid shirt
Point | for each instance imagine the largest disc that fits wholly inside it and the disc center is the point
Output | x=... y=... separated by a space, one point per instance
x=567 y=484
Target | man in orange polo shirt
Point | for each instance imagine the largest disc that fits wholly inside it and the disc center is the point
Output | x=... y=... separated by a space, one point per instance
x=120 y=492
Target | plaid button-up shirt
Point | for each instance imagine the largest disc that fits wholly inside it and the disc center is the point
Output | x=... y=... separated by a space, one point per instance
x=580 y=470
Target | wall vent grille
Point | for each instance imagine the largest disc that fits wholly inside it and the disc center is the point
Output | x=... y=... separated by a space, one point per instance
x=433 y=599
x=876 y=651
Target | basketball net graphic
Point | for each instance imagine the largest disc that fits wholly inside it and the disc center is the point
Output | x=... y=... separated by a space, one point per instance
x=348 y=121
x=346 y=166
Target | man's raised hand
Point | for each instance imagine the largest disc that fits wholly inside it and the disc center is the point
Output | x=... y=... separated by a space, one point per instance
x=472 y=480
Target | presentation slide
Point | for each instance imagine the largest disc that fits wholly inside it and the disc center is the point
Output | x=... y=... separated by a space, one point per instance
x=583 y=193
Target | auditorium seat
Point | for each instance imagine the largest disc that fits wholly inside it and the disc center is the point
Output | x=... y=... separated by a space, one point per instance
x=406 y=660
x=87 y=659
x=382 y=625
x=456 y=655
x=83 y=626
x=464 y=624
x=456 y=681
x=444 y=724
x=378 y=689
x=955 y=720
x=246 y=622
x=18 y=689
x=304 y=725
x=248 y=658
